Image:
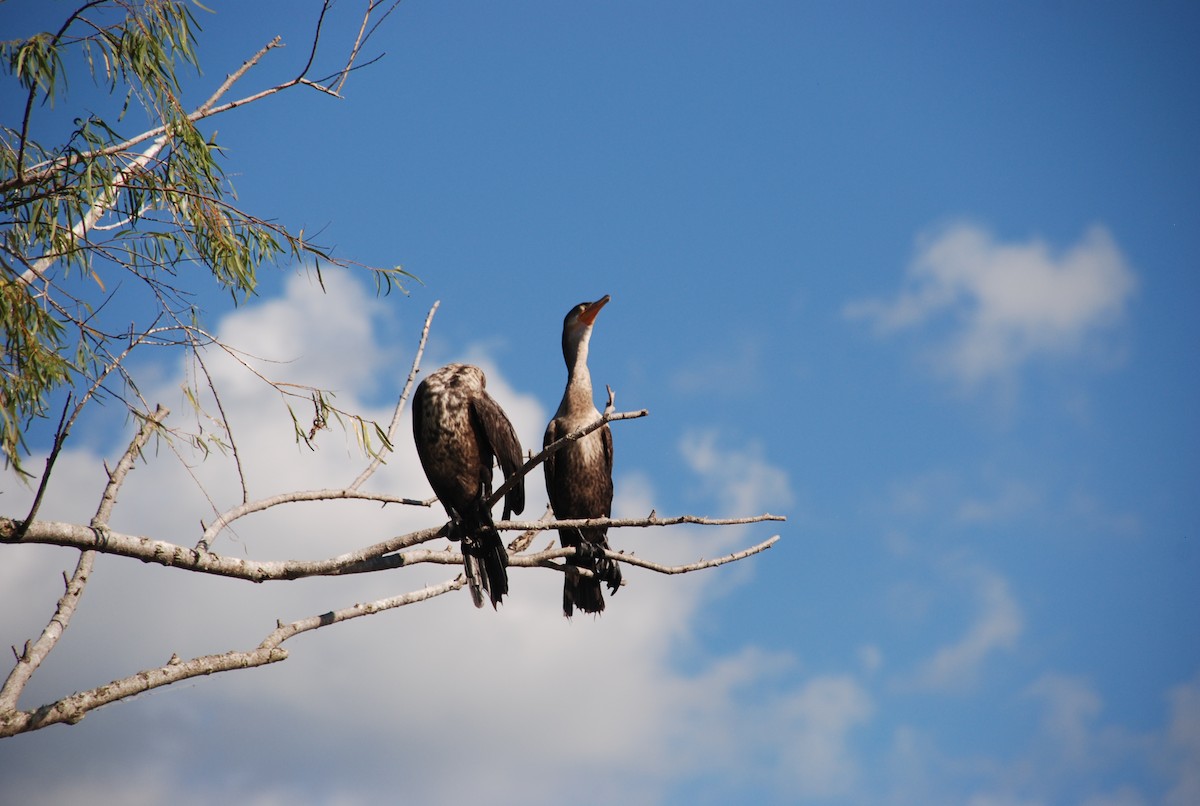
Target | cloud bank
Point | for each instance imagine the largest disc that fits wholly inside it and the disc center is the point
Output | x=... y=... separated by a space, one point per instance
x=433 y=702
x=441 y=703
x=995 y=306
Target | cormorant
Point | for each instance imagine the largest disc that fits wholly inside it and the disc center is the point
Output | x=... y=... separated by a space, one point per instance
x=458 y=428
x=579 y=475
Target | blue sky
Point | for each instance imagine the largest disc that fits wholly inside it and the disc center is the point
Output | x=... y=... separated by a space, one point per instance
x=921 y=277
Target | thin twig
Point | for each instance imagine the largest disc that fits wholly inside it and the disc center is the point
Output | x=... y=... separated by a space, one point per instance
x=33 y=90
x=116 y=478
x=696 y=566
x=206 y=108
x=359 y=41
x=228 y=427
x=651 y=520
x=520 y=543
x=60 y=437
x=64 y=427
x=412 y=377
x=242 y=510
x=545 y=559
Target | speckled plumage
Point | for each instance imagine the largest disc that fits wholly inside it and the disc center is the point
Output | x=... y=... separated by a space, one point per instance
x=458 y=429
x=579 y=475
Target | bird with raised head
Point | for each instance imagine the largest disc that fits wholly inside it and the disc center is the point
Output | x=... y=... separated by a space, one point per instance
x=579 y=475
x=458 y=429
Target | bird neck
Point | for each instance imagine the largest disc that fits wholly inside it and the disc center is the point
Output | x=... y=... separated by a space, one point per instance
x=578 y=394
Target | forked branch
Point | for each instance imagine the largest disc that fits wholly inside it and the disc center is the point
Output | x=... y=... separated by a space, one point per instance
x=74 y=708
x=35 y=652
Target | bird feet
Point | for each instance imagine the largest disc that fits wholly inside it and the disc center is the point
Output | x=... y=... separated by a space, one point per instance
x=606 y=570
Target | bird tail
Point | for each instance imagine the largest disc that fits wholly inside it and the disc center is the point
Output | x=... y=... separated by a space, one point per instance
x=585 y=592
x=485 y=562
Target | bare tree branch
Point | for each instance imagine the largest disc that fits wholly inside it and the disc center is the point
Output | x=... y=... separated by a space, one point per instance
x=371 y=558
x=74 y=708
x=363 y=35
x=261 y=504
x=696 y=566
x=650 y=520
x=33 y=655
x=608 y=417
x=545 y=559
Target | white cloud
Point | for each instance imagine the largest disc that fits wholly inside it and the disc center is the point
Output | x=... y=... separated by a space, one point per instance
x=817 y=759
x=1012 y=498
x=1071 y=756
x=728 y=482
x=1006 y=303
x=734 y=371
x=742 y=481
x=997 y=626
x=1071 y=710
x=870 y=656
x=989 y=799
x=429 y=700
x=1123 y=796
x=1183 y=743
x=970 y=498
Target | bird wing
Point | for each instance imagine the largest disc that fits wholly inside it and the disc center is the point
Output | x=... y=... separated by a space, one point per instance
x=606 y=436
x=418 y=420
x=549 y=466
x=502 y=439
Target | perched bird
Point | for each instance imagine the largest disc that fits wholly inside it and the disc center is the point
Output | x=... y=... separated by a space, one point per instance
x=458 y=428
x=579 y=475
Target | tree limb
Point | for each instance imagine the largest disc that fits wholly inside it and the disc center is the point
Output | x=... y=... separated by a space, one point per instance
x=35 y=653
x=229 y=516
x=650 y=520
x=607 y=417
x=74 y=708
x=544 y=559
x=370 y=558
x=689 y=567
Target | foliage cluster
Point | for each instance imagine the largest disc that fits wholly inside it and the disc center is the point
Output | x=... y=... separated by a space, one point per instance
x=113 y=209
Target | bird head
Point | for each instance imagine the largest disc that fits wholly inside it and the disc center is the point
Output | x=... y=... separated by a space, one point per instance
x=578 y=325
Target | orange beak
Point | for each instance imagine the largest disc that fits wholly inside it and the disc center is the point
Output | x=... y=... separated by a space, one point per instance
x=589 y=313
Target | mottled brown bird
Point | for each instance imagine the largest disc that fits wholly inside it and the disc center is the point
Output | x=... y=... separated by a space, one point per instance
x=579 y=475
x=458 y=428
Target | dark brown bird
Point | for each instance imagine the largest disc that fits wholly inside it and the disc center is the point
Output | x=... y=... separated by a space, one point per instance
x=458 y=428
x=579 y=475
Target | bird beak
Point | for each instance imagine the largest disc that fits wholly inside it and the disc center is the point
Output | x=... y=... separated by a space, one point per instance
x=589 y=313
